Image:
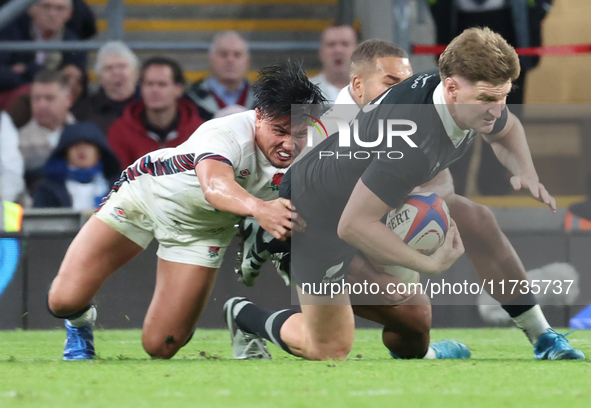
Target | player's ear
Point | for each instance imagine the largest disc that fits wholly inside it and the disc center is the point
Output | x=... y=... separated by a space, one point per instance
x=450 y=87
x=358 y=86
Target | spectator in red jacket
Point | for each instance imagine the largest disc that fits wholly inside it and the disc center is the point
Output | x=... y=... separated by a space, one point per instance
x=162 y=118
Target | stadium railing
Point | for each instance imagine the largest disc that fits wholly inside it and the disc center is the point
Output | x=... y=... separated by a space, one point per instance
x=115 y=13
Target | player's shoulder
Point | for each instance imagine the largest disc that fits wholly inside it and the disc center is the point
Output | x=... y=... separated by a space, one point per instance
x=417 y=89
x=239 y=127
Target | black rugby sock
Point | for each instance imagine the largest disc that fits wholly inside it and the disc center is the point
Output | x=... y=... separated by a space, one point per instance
x=252 y=319
x=520 y=304
x=275 y=246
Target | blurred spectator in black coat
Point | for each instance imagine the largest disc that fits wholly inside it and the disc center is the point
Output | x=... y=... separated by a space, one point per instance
x=82 y=22
x=44 y=21
x=519 y=22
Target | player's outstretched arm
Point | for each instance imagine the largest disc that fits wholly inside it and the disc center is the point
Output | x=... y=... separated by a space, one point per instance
x=223 y=192
x=510 y=147
x=361 y=227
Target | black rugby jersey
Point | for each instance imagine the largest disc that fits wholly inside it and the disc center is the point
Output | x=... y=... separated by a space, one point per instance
x=323 y=180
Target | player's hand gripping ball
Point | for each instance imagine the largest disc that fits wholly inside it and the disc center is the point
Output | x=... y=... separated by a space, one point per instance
x=421 y=222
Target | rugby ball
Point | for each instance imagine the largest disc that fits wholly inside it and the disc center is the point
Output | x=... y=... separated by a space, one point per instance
x=421 y=222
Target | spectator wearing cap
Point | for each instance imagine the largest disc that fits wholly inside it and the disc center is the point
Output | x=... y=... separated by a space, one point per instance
x=79 y=172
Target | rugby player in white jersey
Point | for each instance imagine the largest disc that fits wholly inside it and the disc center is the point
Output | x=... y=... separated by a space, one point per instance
x=189 y=198
x=376 y=66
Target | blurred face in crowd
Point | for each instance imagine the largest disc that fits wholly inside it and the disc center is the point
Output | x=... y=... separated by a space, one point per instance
x=336 y=48
x=50 y=104
x=229 y=60
x=370 y=81
x=50 y=16
x=159 y=92
x=83 y=155
x=118 y=77
x=75 y=80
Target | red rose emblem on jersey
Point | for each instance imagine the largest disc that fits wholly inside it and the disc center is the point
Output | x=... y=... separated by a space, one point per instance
x=214 y=252
x=277 y=179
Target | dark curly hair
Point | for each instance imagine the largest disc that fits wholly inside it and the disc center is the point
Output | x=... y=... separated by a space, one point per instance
x=285 y=90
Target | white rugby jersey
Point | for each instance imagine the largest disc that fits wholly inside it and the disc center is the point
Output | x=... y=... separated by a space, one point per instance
x=165 y=184
x=345 y=98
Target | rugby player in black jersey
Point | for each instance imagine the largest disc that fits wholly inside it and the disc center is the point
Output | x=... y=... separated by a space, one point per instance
x=467 y=97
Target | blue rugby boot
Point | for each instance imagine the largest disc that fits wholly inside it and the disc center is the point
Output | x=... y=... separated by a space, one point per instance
x=451 y=349
x=554 y=346
x=80 y=340
x=447 y=349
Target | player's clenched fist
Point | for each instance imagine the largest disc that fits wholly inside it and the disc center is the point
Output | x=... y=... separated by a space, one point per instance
x=275 y=217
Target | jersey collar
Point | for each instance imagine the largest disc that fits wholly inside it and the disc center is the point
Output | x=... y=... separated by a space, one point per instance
x=344 y=97
x=452 y=130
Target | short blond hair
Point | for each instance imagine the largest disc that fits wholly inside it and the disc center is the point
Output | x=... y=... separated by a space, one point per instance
x=480 y=54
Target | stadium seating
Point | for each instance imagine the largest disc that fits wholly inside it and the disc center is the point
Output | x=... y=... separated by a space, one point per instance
x=563 y=79
x=561 y=150
x=199 y=20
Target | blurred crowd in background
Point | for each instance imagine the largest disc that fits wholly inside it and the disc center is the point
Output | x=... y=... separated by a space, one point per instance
x=65 y=140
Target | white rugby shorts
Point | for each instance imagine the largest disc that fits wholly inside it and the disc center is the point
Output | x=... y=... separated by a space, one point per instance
x=141 y=222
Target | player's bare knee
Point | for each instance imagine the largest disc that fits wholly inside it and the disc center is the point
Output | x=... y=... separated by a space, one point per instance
x=161 y=350
x=485 y=224
x=162 y=347
x=323 y=354
x=162 y=353
x=418 y=317
x=334 y=350
x=420 y=325
x=407 y=345
x=63 y=305
x=417 y=348
x=419 y=339
x=473 y=219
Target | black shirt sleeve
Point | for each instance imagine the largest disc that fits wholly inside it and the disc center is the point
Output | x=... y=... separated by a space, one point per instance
x=400 y=168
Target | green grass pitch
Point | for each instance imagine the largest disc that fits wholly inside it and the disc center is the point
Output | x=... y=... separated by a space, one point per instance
x=501 y=373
